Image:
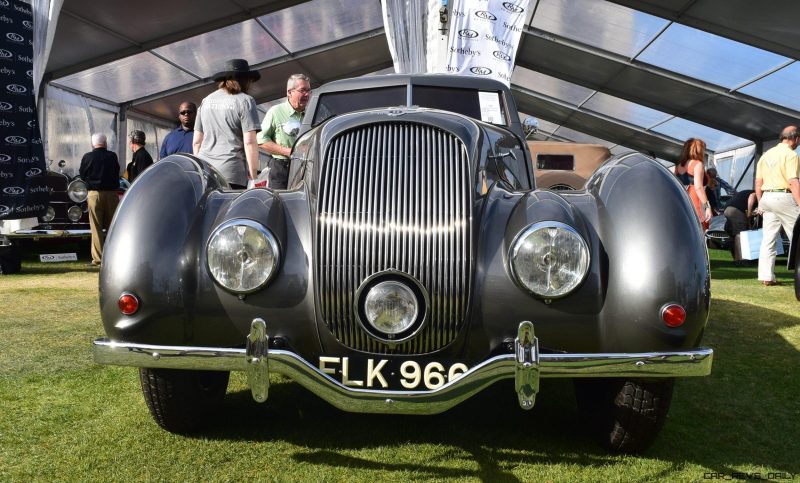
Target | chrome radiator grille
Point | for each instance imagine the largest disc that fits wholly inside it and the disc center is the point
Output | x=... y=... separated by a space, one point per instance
x=394 y=196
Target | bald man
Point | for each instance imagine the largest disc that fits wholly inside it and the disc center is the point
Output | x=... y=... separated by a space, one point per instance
x=778 y=193
x=100 y=170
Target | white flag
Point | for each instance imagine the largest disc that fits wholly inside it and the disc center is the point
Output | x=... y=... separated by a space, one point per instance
x=484 y=36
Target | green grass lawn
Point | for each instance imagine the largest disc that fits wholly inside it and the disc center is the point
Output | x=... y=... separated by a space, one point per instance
x=64 y=418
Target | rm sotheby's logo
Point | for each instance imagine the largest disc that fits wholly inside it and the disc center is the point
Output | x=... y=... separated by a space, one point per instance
x=4 y=158
x=15 y=37
x=485 y=15
x=33 y=172
x=4 y=3
x=481 y=70
x=467 y=34
x=16 y=140
x=16 y=89
x=512 y=7
x=5 y=106
x=4 y=210
x=5 y=54
x=502 y=55
x=13 y=190
x=27 y=24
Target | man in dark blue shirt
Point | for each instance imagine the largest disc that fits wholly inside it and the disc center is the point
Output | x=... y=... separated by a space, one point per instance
x=179 y=140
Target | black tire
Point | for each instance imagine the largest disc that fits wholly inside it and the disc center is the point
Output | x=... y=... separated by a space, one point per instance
x=625 y=416
x=180 y=401
x=10 y=260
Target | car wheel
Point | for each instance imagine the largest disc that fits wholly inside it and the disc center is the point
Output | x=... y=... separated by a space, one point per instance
x=10 y=261
x=181 y=400
x=624 y=415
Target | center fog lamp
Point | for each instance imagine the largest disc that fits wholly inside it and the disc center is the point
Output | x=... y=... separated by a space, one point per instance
x=549 y=259
x=242 y=256
x=391 y=307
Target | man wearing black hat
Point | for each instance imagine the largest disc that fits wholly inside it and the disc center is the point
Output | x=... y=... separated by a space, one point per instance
x=141 y=159
x=227 y=123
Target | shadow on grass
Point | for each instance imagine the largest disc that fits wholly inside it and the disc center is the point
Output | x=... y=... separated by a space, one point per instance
x=723 y=267
x=744 y=415
x=489 y=430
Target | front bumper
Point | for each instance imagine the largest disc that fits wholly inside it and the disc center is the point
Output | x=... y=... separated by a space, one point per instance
x=68 y=233
x=525 y=366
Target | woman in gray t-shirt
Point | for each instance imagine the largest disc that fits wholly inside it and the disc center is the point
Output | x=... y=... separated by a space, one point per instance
x=227 y=123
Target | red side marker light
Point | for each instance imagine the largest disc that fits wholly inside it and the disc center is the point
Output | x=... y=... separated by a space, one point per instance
x=673 y=315
x=128 y=303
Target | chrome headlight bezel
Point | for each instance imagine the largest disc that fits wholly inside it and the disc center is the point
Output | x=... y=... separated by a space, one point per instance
x=77 y=190
x=214 y=266
x=74 y=213
x=574 y=278
x=49 y=214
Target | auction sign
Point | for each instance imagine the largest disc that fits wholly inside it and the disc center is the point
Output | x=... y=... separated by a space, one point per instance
x=23 y=189
x=484 y=36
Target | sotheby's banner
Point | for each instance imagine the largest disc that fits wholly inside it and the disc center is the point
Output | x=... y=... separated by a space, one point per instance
x=23 y=191
x=484 y=36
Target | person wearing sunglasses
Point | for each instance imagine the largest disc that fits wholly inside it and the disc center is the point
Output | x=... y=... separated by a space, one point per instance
x=179 y=140
x=280 y=127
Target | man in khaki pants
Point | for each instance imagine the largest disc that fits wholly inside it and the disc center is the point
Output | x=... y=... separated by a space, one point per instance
x=778 y=193
x=100 y=171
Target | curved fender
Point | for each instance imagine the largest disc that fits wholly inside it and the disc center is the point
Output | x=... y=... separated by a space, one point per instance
x=151 y=250
x=656 y=255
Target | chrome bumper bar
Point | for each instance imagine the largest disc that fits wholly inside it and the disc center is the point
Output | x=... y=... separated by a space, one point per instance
x=50 y=233
x=525 y=366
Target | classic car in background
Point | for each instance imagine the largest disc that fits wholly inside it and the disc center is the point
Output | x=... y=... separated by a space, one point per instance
x=411 y=264
x=793 y=263
x=66 y=219
x=565 y=166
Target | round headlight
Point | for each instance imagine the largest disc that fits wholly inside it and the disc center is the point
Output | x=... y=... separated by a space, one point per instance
x=49 y=214
x=77 y=190
x=242 y=255
x=550 y=259
x=74 y=213
x=391 y=307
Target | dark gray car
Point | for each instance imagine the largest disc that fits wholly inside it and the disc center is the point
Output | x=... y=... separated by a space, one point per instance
x=411 y=263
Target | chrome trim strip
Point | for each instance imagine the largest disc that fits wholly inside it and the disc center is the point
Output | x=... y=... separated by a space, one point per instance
x=49 y=233
x=688 y=363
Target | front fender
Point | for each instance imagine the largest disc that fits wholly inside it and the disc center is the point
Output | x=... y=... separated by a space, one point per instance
x=656 y=255
x=151 y=249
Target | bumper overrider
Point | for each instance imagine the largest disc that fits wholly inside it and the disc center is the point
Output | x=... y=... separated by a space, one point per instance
x=526 y=366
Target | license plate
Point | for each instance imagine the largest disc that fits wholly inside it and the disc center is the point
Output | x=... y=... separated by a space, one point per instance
x=394 y=374
x=58 y=257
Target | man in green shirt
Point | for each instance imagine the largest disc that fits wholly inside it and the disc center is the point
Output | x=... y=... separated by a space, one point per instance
x=280 y=127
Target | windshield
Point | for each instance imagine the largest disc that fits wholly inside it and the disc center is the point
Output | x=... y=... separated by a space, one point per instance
x=482 y=105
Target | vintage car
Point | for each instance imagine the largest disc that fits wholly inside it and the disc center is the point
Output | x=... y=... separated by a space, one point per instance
x=66 y=218
x=563 y=166
x=411 y=264
x=65 y=221
x=793 y=262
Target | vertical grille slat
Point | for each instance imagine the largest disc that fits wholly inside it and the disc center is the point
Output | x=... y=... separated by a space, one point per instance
x=394 y=196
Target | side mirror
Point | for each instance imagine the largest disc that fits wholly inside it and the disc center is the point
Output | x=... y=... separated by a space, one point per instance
x=530 y=126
